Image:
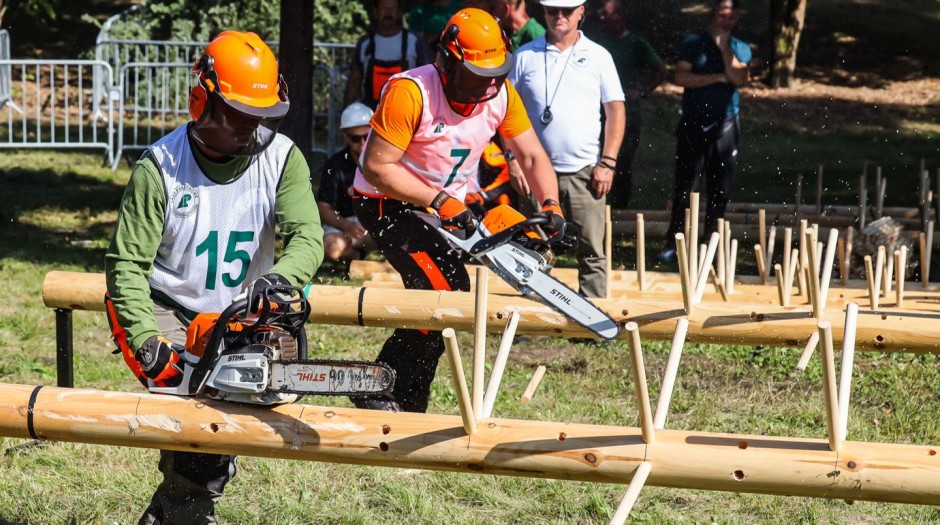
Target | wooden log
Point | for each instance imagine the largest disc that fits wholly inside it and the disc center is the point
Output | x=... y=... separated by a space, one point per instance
x=898 y=473
x=738 y=322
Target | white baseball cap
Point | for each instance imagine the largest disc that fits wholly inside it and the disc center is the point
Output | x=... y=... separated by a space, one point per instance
x=561 y=3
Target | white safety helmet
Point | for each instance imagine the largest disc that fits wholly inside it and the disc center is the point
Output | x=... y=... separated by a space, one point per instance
x=561 y=3
x=356 y=114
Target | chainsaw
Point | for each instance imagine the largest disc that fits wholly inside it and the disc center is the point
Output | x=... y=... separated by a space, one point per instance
x=262 y=358
x=513 y=248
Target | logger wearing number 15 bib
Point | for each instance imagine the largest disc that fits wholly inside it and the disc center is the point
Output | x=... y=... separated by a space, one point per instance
x=196 y=227
x=428 y=132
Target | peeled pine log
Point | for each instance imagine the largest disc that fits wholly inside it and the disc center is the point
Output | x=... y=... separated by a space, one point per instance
x=731 y=323
x=665 y=287
x=896 y=473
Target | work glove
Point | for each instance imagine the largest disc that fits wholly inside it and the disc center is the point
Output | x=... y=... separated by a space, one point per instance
x=476 y=202
x=159 y=360
x=555 y=227
x=454 y=214
x=255 y=290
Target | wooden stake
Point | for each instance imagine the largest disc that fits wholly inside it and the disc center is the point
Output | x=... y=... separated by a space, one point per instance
x=808 y=350
x=799 y=194
x=845 y=375
x=729 y=284
x=693 y=237
x=771 y=242
x=924 y=275
x=840 y=248
x=684 y=277
x=533 y=384
x=640 y=387
x=882 y=189
x=479 y=337
x=722 y=249
x=819 y=189
x=640 y=251
x=900 y=271
x=499 y=364
x=762 y=229
x=794 y=264
x=815 y=292
x=887 y=276
x=787 y=248
x=687 y=228
x=849 y=237
x=706 y=263
x=669 y=375
x=879 y=269
x=761 y=262
x=827 y=266
x=800 y=282
x=872 y=291
x=829 y=387
x=633 y=492
x=781 y=275
x=929 y=250
x=460 y=381
x=863 y=209
x=719 y=286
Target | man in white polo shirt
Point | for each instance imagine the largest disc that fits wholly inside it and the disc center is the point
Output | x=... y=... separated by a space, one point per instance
x=563 y=79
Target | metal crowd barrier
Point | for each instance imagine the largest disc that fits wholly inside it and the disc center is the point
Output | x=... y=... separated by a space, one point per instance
x=50 y=106
x=153 y=101
x=6 y=75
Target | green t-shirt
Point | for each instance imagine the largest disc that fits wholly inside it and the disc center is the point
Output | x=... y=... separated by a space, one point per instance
x=527 y=33
x=429 y=19
x=139 y=230
x=634 y=58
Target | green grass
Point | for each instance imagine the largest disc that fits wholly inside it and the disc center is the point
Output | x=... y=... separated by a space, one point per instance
x=61 y=198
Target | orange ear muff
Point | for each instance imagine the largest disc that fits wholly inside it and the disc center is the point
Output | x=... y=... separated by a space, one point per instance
x=197 y=101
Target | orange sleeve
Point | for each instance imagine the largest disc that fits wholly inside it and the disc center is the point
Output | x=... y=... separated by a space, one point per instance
x=516 y=120
x=399 y=112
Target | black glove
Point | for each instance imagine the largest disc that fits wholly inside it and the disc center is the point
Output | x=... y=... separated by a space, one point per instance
x=555 y=228
x=453 y=213
x=255 y=290
x=159 y=359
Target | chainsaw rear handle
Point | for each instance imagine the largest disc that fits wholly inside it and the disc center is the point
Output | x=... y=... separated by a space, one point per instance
x=506 y=235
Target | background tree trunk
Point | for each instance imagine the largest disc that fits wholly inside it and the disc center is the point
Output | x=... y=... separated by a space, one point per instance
x=786 y=25
x=295 y=58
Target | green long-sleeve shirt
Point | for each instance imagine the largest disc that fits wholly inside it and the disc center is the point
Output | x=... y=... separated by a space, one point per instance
x=139 y=230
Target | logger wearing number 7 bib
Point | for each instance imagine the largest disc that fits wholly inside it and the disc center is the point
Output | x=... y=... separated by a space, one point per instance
x=428 y=132
x=196 y=228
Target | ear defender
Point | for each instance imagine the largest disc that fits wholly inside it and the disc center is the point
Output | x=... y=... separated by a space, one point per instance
x=199 y=94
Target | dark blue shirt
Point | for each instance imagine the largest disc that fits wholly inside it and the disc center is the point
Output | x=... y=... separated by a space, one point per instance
x=713 y=102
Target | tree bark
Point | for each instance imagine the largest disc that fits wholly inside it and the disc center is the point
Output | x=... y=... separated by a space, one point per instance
x=786 y=21
x=295 y=58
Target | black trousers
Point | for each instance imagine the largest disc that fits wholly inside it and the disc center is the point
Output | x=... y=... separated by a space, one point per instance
x=426 y=262
x=622 y=188
x=710 y=150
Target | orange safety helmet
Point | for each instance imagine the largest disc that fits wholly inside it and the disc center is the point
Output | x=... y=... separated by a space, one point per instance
x=242 y=70
x=240 y=99
x=474 y=56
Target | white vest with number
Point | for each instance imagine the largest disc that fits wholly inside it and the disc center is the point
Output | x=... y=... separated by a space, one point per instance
x=217 y=238
x=445 y=150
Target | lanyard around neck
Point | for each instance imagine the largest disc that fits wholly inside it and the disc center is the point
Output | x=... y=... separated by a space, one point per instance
x=548 y=101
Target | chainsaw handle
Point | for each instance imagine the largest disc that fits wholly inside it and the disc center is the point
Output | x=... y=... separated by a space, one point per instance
x=504 y=236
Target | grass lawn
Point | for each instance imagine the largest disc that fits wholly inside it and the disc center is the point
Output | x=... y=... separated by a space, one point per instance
x=59 y=215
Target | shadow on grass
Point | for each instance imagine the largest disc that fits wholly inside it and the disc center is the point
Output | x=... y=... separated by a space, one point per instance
x=30 y=191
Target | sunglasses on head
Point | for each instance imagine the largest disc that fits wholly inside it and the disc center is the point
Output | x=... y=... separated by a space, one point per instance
x=357 y=138
x=555 y=11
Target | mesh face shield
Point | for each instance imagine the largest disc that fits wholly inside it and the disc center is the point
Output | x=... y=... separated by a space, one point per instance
x=232 y=129
x=464 y=86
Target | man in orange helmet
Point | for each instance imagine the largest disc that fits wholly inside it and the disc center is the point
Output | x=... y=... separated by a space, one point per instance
x=428 y=133
x=197 y=228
